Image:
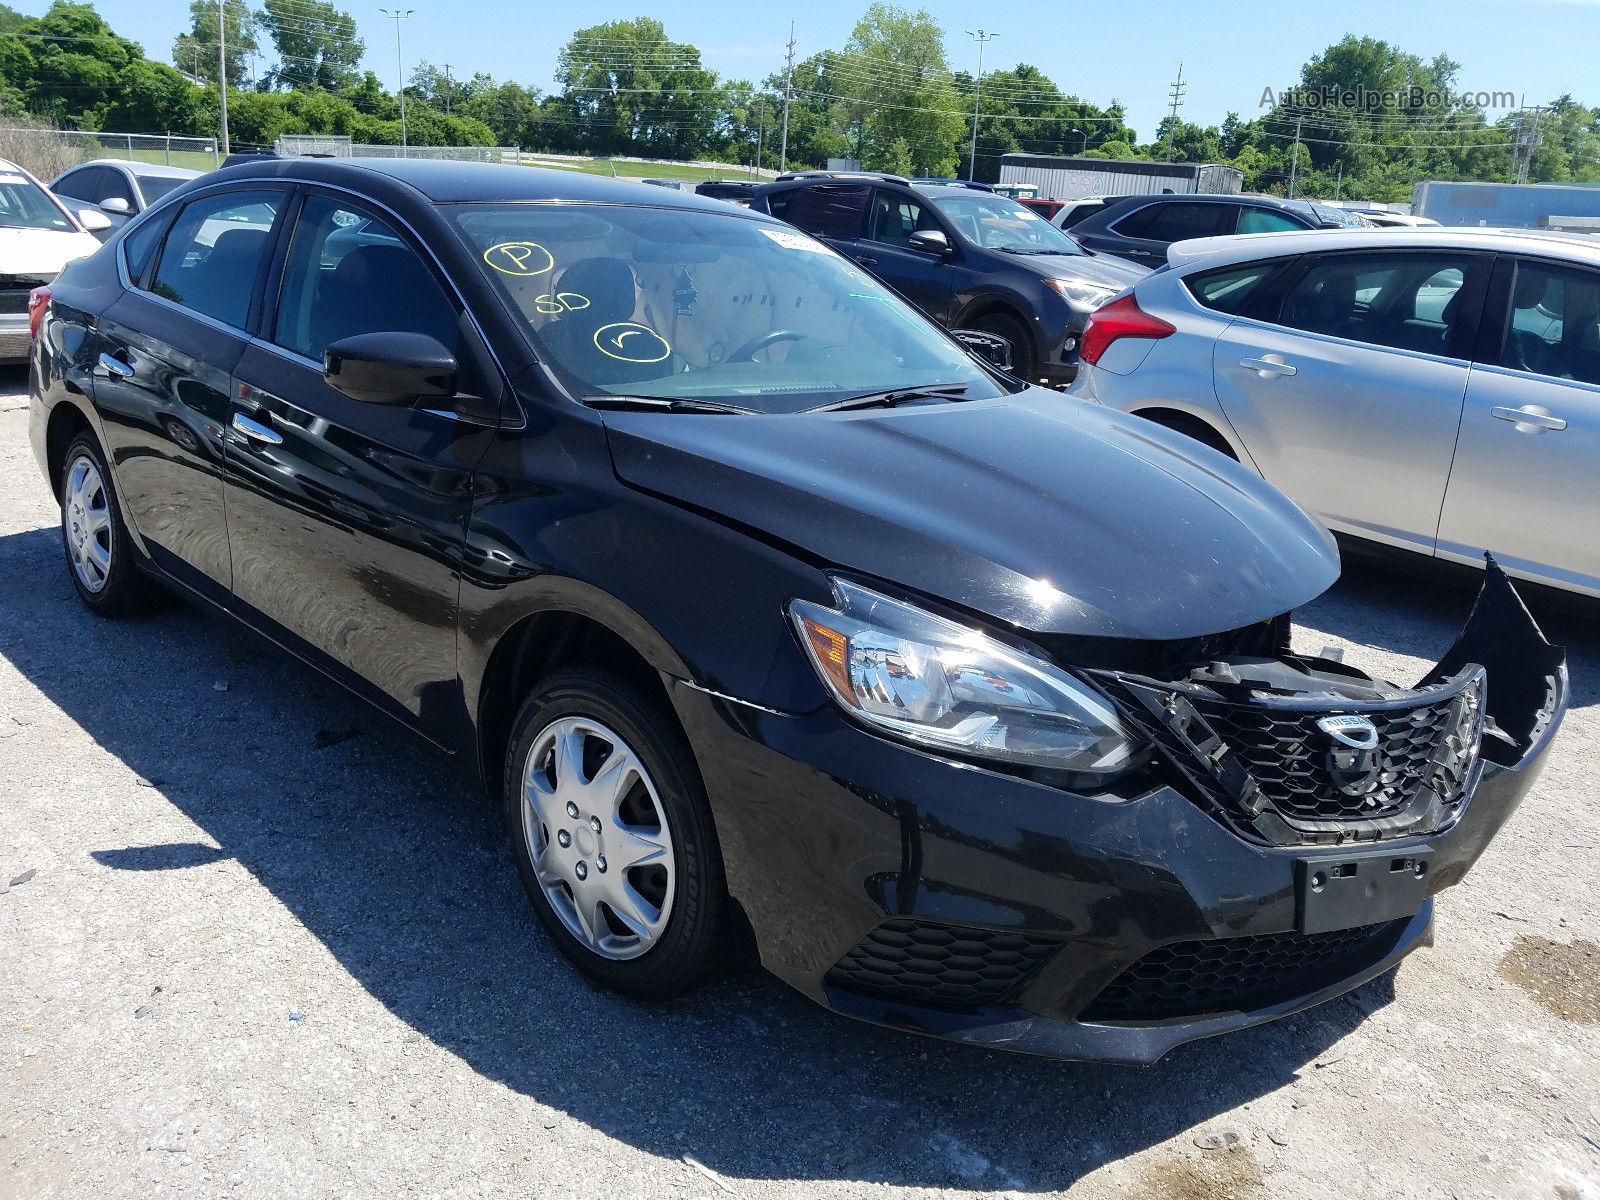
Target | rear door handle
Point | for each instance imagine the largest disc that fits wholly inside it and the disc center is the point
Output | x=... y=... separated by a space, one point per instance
x=114 y=367
x=256 y=431
x=1268 y=365
x=1531 y=419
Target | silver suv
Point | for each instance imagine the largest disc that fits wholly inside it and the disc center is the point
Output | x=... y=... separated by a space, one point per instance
x=1431 y=389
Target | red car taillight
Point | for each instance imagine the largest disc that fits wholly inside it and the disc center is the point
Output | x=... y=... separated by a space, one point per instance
x=37 y=299
x=1120 y=319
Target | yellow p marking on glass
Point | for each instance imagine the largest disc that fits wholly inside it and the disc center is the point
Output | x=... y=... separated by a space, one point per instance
x=519 y=258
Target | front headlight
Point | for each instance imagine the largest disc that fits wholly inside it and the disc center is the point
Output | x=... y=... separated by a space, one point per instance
x=1083 y=293
x=954 y=688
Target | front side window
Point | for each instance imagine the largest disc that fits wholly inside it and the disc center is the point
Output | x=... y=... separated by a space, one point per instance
x=683 y=304
x=1403 y=301
x=998 y=223
x=82 y=184
x=1555 y=323
x=24 y=205
x=1264 y=220
x=895 y=218
x=1177 y=221
x=350 y=273
x=214 y=253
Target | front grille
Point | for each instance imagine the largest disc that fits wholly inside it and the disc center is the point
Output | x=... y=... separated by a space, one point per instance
x=1287 y=755
x=940 y=966
x=1239 y=974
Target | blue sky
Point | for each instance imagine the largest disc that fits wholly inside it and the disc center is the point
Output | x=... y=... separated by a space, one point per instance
x=1127 y=50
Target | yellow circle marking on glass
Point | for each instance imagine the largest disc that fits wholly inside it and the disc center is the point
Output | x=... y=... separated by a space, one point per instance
x=632 y=342
x=519 y=258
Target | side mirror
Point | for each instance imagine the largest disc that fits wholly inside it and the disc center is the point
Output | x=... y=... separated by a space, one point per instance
x=116 y=206
x=990 y=347
x=94 y=220
x=390 y=368
x=930 y=241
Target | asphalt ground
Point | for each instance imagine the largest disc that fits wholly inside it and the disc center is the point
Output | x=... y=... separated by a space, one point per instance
x=254 y=942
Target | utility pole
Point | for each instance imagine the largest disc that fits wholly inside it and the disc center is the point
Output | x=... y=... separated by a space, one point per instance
x=222 y=72
x=1338 y=182
x=1528 y=142
x=1176 y=96
x=399 y=15
x=1294 y=163
x=447 y=89
x=982 y=38
x=788 y=89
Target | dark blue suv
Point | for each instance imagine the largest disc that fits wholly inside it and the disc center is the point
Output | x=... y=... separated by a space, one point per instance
x=968 y=258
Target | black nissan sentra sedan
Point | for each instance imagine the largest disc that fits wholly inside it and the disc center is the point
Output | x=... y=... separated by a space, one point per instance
x=773 y=617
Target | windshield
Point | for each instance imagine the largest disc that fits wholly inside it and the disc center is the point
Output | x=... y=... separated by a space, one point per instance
x=996 y=223
x=685 y=305
x=156 y=186
x=23 y=205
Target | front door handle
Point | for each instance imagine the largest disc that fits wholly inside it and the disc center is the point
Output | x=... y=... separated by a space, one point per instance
x=866 y=260
x=1268 y=365
x=114 y=368
x=1532 y=418
x=256 y=431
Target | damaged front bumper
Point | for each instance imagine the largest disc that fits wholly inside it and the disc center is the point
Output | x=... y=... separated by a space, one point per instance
x=940 y=897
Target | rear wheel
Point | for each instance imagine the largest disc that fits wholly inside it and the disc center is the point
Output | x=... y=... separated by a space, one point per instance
x=1024 y=359
x=100 y=555
x=1192 y=427
x=612 y=835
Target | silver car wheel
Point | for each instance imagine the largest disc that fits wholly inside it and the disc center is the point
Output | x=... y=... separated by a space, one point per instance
x=598 y=838
x=86 y=523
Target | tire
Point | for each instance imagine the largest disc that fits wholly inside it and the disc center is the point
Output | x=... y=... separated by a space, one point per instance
x=1024 y=358
x=100 y=554
x=678 y=895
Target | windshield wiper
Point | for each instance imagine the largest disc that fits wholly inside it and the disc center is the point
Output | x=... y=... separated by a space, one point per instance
x=663 y=404
x=893 y=396
x=1030 y=250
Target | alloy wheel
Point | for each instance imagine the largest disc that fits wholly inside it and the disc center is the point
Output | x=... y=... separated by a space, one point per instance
x=86 y=523
x=598 y=837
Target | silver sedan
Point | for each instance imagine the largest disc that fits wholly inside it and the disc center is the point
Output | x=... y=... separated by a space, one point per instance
x=1431 y=389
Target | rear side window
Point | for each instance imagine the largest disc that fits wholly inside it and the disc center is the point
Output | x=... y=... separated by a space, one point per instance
x=1403 y=301
x=1264 y=220
x=1555 y=323
x=214 y=254
x=827 y=210
x=1230 y=289
x=1177 y=221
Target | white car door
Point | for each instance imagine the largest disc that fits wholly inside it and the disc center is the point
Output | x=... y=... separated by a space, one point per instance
x=1526 y=480
x=1349 y=401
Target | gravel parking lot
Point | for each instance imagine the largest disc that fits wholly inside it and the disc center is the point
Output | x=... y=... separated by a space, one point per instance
x=253 y=942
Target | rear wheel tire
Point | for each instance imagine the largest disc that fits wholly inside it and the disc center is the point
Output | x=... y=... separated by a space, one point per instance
x=100 y=554
x=612 y=835
x=1192 y=427
x=1024 y=359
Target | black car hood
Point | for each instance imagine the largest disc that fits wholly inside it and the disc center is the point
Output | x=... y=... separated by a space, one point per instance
x=1099 y=268
x=1048 y=513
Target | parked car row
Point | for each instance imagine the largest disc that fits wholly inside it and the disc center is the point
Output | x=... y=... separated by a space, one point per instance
x=770 y=616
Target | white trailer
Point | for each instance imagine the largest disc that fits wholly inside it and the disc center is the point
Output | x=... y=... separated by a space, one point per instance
x=1059 y=178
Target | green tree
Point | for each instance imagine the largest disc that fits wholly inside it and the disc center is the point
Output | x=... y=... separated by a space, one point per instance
x=196 y=51
x=634 y=91
x=894 y=65
x=316 y=43
x=66 y=63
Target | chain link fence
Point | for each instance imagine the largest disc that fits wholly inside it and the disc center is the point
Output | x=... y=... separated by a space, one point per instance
x=48 y=152
x=338 y=146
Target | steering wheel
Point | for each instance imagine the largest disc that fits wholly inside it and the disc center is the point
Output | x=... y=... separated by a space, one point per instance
x=772 y=337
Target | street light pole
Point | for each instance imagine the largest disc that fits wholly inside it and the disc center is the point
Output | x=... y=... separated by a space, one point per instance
x=981 y=38
x=222 y=73
x=400 y=69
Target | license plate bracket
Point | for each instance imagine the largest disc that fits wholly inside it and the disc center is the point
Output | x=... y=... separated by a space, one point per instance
x=1342 y=891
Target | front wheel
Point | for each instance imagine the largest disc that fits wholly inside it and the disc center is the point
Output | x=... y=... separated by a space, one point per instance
x=1024 y=359
x=612 y=835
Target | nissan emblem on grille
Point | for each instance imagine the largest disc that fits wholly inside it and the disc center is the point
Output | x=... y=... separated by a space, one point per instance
x=1353 y=760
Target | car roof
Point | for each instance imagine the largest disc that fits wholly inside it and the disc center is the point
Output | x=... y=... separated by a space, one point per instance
x=445 y=181
x=1247 y=247
x=152 y=170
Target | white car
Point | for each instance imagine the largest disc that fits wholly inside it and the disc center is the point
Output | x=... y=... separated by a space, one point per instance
x=38 y=236
x=1436 y=390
